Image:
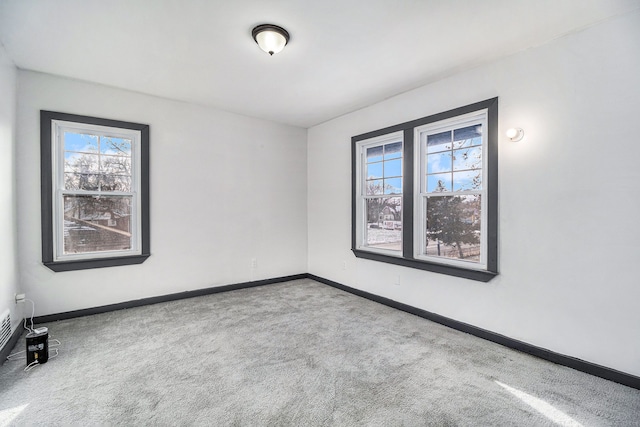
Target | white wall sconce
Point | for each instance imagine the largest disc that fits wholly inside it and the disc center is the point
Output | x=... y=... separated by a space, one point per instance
x=271 y=38
x=515 y=134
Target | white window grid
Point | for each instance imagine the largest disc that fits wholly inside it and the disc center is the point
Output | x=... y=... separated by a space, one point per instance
x=421 y=194
x=361 y=211
x=58 y=128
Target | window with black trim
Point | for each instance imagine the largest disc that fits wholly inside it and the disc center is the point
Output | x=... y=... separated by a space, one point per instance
x=425 y=193
x=95 y=192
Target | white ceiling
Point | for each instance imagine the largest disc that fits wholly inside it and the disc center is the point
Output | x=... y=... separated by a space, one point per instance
x=343 y=54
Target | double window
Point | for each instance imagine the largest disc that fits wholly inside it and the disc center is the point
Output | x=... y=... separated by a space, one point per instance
x=95 y=178
x=425 y=193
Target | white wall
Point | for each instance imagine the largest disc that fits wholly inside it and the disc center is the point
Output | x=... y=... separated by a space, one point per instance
x=224 y=189
x=8 y=242
x=569 y=241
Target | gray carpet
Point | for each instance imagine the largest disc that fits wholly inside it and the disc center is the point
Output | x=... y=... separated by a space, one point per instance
x=295 y=354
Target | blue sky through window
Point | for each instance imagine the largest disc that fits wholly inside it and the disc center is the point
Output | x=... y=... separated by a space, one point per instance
x=454 y=160
x=86 y=143
x=80 y=142
x=384 y=169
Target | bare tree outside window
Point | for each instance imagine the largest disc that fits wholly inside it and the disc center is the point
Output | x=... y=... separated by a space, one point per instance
x=102 y=221
x=94 y=192
x=383 y=196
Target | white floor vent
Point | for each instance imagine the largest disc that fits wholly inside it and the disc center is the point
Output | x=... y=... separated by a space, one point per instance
x=5 y=328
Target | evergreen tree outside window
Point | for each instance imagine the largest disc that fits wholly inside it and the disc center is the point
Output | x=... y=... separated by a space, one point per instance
x=449 y=206
x=446 y=194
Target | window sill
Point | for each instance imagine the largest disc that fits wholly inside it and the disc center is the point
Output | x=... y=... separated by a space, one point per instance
x=86 y=264
x=479 y=275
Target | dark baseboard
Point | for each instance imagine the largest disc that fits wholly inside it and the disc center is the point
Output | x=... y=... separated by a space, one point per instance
x=163 y=298
x=560 y=359
x=6 y=350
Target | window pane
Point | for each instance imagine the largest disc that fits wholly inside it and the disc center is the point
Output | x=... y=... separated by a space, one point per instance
x=374 y=154
x=393 y=168
x=81 y=163
x=96 y=224
x=374 y=170
x=81 y=181
x=393 y=186
x=439 y=142
x=116 y=173
x=467 y=180
x=115 y=146
x=97 y=172
x=384 y=223
x=80 y=142
x=467 y=158
x=468 y=136
x=393 y=151
x=467 y=143
x=453 y=227
x=374 y=187
x=440 y=162
x=439 y=183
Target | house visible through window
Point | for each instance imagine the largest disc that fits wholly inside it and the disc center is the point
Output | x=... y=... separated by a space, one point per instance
x=425 y=193
x=94 y=192
x=380 y=193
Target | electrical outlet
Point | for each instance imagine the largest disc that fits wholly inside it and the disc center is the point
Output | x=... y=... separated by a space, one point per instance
x=254 y=263
x=398 y=280
x=20 y=298
x=344 y=265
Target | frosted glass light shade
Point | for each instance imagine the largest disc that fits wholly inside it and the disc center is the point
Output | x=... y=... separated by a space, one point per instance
x=515 y=134
x=271 y=38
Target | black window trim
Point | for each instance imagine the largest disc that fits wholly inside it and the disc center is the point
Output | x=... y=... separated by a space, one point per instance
x=407 y=259
x=46 y=188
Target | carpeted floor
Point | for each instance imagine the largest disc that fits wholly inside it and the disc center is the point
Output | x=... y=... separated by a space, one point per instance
x=295 y=354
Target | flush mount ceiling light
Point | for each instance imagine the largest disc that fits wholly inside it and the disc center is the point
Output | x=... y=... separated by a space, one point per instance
x=271 y=38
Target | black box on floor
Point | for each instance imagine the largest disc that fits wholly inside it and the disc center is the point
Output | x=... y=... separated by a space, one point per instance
x=38 y=346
